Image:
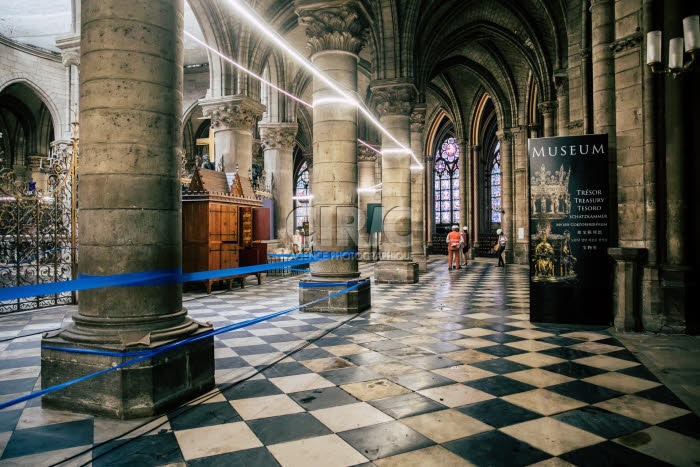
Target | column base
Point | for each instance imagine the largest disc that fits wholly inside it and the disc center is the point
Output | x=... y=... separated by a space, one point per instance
x=396 y=272
x=355 y=301
x=627 y=288
x=422 y=262
x=147 y=388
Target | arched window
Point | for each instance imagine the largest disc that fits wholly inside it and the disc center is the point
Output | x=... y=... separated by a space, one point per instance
x=301 y=188
x=496 y=205
x=446 y=178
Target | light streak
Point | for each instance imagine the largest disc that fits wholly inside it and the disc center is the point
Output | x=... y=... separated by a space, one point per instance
x=264 y=28
x=236 y=64
x=369 y=146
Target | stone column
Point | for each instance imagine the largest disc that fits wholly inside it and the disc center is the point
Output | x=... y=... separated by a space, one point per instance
x=548 y=110
x=70 y=56
x=336 y=33
x=130 y=219
x=367 y=160
x=475 y=152
x=562 y=83
x=233 y=119
x=678 y=276
x=507 y=190
x=603 y=34
x=521 y=200
x=418 y=189
x=277 y=140
x=394 y=103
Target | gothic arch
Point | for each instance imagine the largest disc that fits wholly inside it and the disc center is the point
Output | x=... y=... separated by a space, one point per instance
x=26 y=80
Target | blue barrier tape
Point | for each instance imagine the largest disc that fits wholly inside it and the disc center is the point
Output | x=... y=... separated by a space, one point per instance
x=158 y=350
x=314 y=285
x=168 y=276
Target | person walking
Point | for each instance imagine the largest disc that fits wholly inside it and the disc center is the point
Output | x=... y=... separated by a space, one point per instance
x=464 y=242
x=502 y=241
x=453 y=244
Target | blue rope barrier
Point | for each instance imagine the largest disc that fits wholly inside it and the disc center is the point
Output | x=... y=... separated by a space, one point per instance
x=146 y=354
x=162 y=277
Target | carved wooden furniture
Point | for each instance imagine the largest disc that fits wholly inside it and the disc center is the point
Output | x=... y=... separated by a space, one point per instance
x=217 y=226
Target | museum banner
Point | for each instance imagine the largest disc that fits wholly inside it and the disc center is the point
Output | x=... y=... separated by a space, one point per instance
x=570 y=270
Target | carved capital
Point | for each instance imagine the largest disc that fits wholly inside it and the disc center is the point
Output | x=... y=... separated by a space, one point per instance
x=561 y=82
x=70 y=49
x=338 y=26
x=633 y=41
x=278 y=135
x=504 y=135
x=547 y=107
x=70 y=57
x=394 y=99
x=418 y=119
x=237 y=113
x=585 y=54
x=365 y=154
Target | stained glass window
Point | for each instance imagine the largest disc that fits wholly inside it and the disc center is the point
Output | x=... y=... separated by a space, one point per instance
x=496 y=185
x=302 y=189
x=446 y=178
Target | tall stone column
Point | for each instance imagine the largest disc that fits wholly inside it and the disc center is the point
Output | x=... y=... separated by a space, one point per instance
x=548 y=110
x=603 y=34
x=562 y=83
x=366 y=163
x=130 y=219
x=474 y=152
x=394 y=103
x=418 y=189
x=336 y=33
x=70 y=56
x=507 y=190
x=521 y=198
x=233 y=119
x=277 y=140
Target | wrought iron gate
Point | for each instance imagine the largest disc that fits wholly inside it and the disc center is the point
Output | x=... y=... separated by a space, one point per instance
x=38 y=231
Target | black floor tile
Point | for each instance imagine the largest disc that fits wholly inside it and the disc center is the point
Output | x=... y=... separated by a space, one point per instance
x=501 y=350
x=601 y=422
x=385 y=440
x=255 y=349
x=495 y=448
x=279 y=338
x=573 y=370
x=349 y=375
x=639 y=371
x=206 y=414
x=558 y=340
x=585 y=392
x=449 y=336
x=367 y=358
x=688 y=425
x=381 y=346
x=331 y=341
x=440 y=347
x=227 y=363
x=311 y=354
x=422 y=380
x=610 y=454
x=15 y=386
x=623 y=354
x=323 y=398
x=9 y=419
x=500 y=327
x=49 y=438
x=274 y=430
x=662 y=394
x=247 y=458
x=499 y=385
x=498 y=413
x=500 y=366
x=19 y=362
x=566 y=353
x=406 y=405
x=501 y=338
x=159 y=449
x=248 y=389
x=279 y=370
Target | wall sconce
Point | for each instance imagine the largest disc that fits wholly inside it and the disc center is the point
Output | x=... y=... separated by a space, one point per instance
x=676 y=67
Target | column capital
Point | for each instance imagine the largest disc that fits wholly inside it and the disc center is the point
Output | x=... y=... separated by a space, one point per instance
x=232 y=112
x=365 y=154
x=393 y=98
x=70 y=49
x=561 y=82
x=336 y=25
x=505 y=135
x=278 y=135
x=547 y=107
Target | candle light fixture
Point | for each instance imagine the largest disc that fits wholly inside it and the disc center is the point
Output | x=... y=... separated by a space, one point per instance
x=676 y=64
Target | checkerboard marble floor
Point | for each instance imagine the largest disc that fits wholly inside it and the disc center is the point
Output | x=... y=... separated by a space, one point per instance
x=447 y=372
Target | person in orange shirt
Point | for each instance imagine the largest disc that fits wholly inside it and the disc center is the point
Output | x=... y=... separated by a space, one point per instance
x=453 y=245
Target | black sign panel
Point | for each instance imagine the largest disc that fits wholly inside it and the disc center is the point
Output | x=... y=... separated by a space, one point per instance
x=570 y=270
